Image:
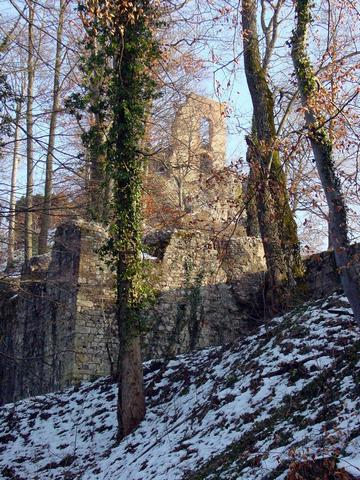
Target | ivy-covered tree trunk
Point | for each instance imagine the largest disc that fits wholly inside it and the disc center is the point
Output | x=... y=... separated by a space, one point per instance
x=97 y=71
x=322 y=147
x=99 y=185
x=132 y=91
x=99 y=196
x=277 y=225
x=128 y=168
x=126 y=52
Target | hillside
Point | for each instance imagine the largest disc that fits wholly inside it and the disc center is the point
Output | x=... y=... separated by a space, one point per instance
x=243 y=411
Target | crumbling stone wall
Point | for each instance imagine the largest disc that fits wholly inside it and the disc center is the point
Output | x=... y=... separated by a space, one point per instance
x=208 y=292
x=52 y=327
x=57 y=321
x=9 y=290
x=61 y=327
x=95 y=337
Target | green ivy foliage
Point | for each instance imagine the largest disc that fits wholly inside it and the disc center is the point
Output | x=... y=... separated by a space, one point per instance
x=117 y=65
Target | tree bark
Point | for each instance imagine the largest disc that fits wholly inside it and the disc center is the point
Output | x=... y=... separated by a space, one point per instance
x=99 y=184
x=180 y=191
x=46 y=214
x=29 y=135
x=322 y=147
x=277 y=225
x=252 y=220
x=12 y=206
x=133 y=92
x=131 y=395
x=122 y=37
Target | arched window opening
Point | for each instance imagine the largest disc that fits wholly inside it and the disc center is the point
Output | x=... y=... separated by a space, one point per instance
x=161 y=168
x=205 y=132
x=205 y=164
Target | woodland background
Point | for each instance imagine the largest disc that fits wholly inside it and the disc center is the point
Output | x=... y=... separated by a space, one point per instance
x=88 y=92
x=202 y=51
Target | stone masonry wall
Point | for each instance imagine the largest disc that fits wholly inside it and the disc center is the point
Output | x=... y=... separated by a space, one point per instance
x=8 y=294
x=57 y=323
x=95 y=338
x=51 y=327
x=197 y=118
x=208 y=292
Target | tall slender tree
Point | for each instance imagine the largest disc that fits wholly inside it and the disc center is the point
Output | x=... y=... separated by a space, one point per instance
x=99 y=187
x=125 y=34
x=323 y=149
x=30 y=133
x=46 y=210
x=14 y=170
x=277 y=225
x=270 y=33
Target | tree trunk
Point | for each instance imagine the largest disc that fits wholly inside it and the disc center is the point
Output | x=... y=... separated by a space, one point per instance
x=322 y=147
x=277 y=225
x=99 y=191
x=131 y=391
x=132 y=99
x=12 y=206
x=126 y=40
x=29 y=135
x=252 y=220
x=180 y=191
x=46 y=214
x=100 y=184
x=131 y=396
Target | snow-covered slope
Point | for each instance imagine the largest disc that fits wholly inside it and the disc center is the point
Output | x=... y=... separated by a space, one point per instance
x=243 y=411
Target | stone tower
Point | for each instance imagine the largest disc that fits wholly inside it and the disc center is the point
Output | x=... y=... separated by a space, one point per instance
x=199 y=137
x=191 y=176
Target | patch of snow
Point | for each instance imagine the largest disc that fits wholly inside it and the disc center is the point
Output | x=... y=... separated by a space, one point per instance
x=287 y=391
x=147 y=256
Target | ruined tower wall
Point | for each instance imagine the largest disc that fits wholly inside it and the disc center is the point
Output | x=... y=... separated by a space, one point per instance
x=52 y=329
x=199 y=129
x=190 y=180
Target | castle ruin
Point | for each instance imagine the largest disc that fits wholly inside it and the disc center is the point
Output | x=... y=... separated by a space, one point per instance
x=57 y=319
x=190 y=175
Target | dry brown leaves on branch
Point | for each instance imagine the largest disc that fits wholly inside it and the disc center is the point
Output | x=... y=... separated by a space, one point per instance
x=319 y=469
x=110 y=14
